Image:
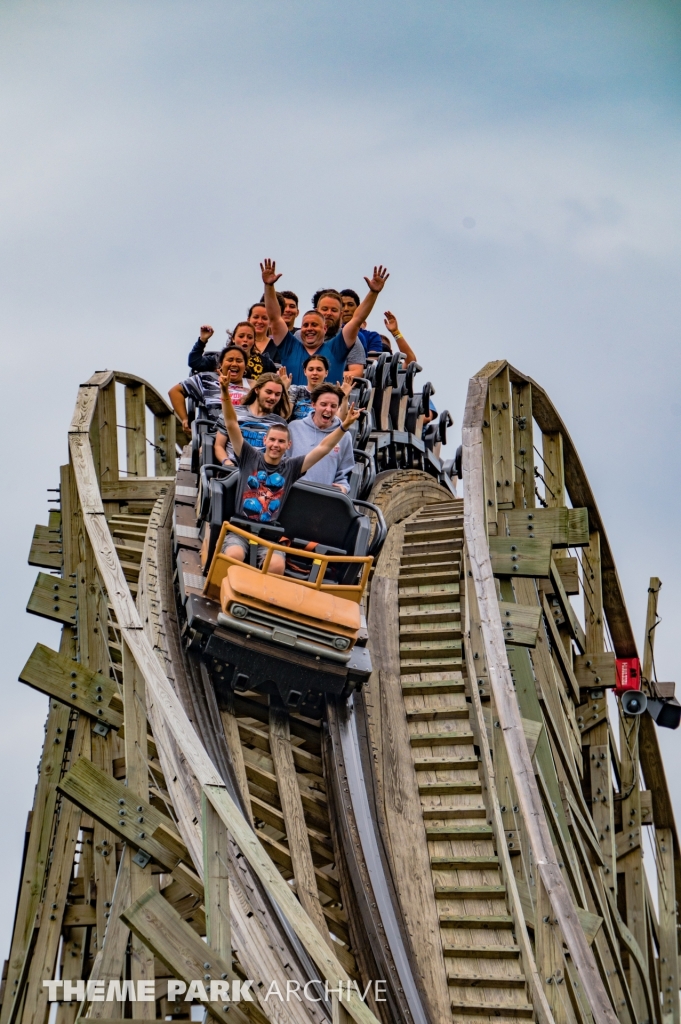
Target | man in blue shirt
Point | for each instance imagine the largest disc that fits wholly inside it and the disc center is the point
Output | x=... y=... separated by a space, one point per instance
x=293 y=352
x=371 y=340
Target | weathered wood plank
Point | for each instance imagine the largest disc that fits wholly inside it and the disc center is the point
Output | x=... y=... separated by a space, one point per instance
x=519 y=556
x=72 y=684
x=216 y=883
x=137 y=779
x=111 y=803
x=136 y=488
x=159 y=926
x=595 y=670
x=668 y=914
x=328 y=964
x=523 y=445
x=136 y=430
x=53 y=599
x=292 y=807
x=520 y=623
x=44 y=956
x=575 y=626
x=46 y=546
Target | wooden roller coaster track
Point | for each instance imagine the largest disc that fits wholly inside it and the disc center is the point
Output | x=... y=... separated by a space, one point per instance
x=460 y=840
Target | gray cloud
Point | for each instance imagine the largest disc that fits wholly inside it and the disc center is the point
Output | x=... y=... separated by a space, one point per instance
x=154 y=153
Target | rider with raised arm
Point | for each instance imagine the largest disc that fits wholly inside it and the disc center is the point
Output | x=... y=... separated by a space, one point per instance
x=266 y=477
x=292 y=352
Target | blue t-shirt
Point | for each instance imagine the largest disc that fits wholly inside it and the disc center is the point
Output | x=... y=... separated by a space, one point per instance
x=371 y=340
x=292 y=354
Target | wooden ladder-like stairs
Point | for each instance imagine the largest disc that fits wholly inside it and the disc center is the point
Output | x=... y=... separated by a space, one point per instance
x=482 y=959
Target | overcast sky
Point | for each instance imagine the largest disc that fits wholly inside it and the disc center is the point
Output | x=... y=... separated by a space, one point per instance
x=515 y=164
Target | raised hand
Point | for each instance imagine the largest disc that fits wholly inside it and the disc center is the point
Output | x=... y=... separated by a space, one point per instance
x=351 y=417
x=378 y=280
x=286 y=378
x=224 y=387
x=269 y=272
x=348 y=383
x=391 y=322
x=205 y=333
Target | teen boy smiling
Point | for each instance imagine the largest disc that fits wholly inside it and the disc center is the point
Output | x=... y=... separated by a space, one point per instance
x=266 y=477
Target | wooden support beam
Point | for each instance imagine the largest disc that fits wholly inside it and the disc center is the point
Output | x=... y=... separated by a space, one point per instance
x=159 y=926
x=668 y=915
x=216 y=883
x=602 y=802
x=231 y=728
x=550 y=959
x=137 y=778
x=164 y=440
x=564 y=527
x=111 y=803
x=520 y=623
x=44 y=957
x=74 y=685
x=108 y=434
x=573 y=624
x=136 y=488
x=501 y=429
x=52 y=598
x=36 y=861
x=523 y=445
x=136 y=429
x=490 y=496
x=553 y=468
x=328 y=964
x=595 y=671
x=593 y=595
x=513 y=556
x=46 y=546
x=292 y=807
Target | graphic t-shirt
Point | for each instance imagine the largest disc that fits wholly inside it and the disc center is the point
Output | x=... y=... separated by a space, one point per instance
x=260 y=362
x=204 y=389
x=301 y=400
x=263 y=488
x=253 y=428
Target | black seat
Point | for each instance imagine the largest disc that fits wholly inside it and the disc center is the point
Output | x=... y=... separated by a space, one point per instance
x=314 y=513
x=222 y=491
x=324 y=515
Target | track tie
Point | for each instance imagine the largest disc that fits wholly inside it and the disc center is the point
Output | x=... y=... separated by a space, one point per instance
x=430 y=665
x=436 y=714
x=468 y=892
x=426 y=687
x=454 y=863
x=477 y=920
x=448 y=615
x=437 y=631
x=437 y=739
x=480 y=981
x=453 y=813
x=497 y=952
x=444 y=763
x=436 y=832
x=407 y=595
x=499 y=1011
x=449 y=788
